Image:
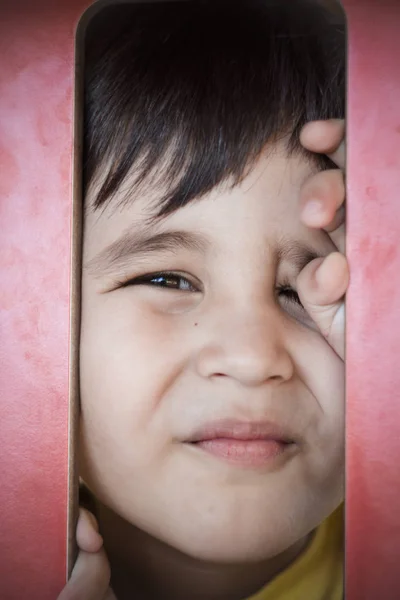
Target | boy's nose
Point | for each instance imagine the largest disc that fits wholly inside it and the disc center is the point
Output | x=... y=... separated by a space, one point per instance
x=248 y=348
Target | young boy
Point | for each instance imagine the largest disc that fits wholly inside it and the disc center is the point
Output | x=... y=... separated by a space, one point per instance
x=212 y=374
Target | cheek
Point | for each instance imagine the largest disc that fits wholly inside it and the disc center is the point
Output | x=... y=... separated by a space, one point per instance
x=323 y=373
x=130 y=357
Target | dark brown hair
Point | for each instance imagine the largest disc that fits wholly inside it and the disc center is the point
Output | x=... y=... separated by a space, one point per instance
x=185 y=95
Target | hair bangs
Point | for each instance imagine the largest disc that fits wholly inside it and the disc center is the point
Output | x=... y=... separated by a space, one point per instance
x=184 y=96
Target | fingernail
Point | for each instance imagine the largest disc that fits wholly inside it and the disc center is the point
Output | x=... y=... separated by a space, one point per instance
x=312 y=210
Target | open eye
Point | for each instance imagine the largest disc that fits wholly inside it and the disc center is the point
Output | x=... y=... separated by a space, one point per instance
x=170 y=281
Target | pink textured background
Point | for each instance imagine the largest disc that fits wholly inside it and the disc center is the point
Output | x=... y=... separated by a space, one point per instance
x=36 y=110
x=373 y=316
x=36 y=107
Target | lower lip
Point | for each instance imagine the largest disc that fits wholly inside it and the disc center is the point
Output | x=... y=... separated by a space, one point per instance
x=250 y=453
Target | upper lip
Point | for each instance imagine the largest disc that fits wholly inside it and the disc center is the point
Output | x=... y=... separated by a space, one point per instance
x=243 y=430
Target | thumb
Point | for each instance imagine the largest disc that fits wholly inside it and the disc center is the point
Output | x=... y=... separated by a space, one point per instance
x=321 y=286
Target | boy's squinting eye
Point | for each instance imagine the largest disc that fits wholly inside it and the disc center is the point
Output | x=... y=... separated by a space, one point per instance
x=174 y=281
x=170 y=281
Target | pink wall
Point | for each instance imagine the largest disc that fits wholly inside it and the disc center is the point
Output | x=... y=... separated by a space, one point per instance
x=373 y=315
x=36 y=87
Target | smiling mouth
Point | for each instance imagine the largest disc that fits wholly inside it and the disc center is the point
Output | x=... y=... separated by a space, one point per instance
x=244 y=444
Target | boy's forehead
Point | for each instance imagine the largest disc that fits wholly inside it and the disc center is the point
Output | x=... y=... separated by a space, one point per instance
x=273 y=169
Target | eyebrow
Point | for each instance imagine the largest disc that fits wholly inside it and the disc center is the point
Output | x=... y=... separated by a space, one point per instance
x=298 y=254
x=136 y=244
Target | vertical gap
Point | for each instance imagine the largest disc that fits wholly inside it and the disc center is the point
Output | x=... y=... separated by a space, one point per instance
x=75 y=312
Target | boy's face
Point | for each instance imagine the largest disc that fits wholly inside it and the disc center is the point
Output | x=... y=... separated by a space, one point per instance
x=171 y=376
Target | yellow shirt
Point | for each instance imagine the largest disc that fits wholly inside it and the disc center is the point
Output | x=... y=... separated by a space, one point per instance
x=318 y=573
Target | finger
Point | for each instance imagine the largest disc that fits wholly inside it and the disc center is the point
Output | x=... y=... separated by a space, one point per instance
x=326 y=137
x=322 y=200
x=87 y=532
x=321 y=288
x=90 y=578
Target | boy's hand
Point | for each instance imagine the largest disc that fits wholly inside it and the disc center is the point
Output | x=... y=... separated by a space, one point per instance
x=90 y=577
x=323 y=283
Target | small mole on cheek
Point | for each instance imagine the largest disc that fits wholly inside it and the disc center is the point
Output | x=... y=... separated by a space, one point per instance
x=195 y=324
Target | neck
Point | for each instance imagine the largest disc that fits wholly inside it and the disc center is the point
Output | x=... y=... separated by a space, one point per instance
x=144 y=568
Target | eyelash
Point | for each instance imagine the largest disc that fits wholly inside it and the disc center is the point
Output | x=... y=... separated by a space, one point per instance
x=282 y=290
x=290 y=294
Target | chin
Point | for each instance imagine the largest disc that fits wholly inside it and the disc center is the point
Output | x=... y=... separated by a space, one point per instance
x=240 y=554
x=214 y=545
